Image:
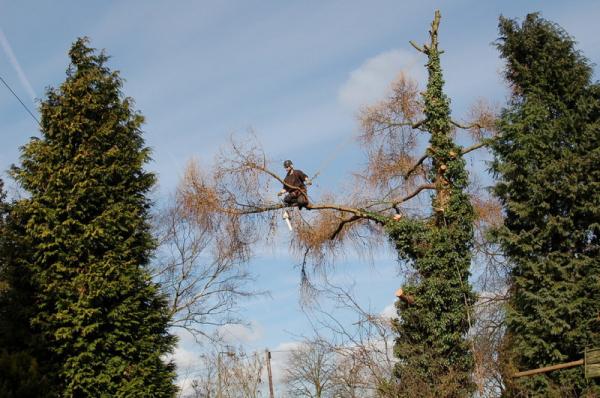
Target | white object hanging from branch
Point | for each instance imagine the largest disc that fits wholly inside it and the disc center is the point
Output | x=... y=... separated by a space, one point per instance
x=286 y=217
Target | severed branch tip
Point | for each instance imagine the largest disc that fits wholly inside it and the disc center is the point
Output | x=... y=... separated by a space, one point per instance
x=417 y=47
x=408 y=299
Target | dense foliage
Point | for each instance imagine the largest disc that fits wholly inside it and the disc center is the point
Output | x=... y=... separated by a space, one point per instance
x=99 y=321
x=432 y=344
x=547 y=162
x=20 y=375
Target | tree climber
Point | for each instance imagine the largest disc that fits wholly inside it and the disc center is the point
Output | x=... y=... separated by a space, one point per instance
x=295 y=183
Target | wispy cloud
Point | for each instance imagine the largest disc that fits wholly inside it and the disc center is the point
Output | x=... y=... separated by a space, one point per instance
x=370 y=82
x=389 y=311
x=241 y=334
x=15 y=63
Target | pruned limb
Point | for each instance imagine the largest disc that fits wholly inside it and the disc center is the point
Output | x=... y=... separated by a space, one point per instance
x=408 y=299
x=433 y=33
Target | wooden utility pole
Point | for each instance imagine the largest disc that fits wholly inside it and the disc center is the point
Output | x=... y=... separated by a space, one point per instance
x=229 y=353
x=270 y=375
x=219 y=381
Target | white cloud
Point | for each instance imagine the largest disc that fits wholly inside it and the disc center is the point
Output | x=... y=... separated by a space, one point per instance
x=371 y=80
x=187 y=358
x=279 y=359
x=15 y=63
x=184 y=358
x=240 y=334
x=389 y=311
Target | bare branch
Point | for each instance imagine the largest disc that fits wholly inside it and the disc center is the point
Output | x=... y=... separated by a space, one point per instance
x=363 y=349
x=474 y=147
x=465 y=126
x=272 y=174
x=201 y=272
x=396 y=202
x=483 y=125
x=415 y=166
x=417 y=47
x=310 y=369
x=389 y=132
x=342 y=224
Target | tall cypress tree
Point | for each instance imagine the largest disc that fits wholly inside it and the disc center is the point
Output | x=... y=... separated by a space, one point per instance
x=547 y=161
x=432 y=345
x=102 y=321
x=20 y=375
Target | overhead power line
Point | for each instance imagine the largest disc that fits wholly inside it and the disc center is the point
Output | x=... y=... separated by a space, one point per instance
x=22 y=103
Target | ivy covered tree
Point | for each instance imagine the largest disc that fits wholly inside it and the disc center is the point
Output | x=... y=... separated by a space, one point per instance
x=435 y=306
x=101 y=321
x=546 y=160
x=432 y=344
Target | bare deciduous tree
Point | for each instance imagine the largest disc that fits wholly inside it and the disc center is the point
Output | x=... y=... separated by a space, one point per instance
x=310 y=370
x=492 y=283
x=201 y=269
x=227 y=373
x=362 y=343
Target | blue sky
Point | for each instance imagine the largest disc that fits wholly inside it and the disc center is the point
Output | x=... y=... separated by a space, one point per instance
x=294 y=72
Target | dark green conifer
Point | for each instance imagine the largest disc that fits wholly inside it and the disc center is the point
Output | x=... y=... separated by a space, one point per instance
x=20 y=375
x=547 y=161
x=101 y=320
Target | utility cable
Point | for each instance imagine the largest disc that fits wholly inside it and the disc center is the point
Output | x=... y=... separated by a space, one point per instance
x=22 y=103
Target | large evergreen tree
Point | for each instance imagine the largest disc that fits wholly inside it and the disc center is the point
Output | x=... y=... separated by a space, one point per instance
x=100 y=318
x=20 y=375
x=547 y=161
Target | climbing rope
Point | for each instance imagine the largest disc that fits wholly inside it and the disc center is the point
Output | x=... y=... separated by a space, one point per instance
x=327 y=161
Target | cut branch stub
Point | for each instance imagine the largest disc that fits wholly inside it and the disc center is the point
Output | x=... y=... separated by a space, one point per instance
x=408 y=299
